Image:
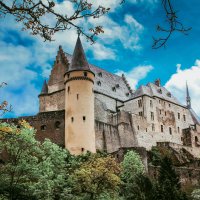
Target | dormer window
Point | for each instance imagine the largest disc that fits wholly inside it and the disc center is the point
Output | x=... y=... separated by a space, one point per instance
x=169 y=94
x=99 y=83
x=159 y=91
x=100 y=74
x=113 y=89
x=85 y=73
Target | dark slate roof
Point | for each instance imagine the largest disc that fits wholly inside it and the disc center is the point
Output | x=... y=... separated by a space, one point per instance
x=44 y=88
x=79 y=61
x=108 y=83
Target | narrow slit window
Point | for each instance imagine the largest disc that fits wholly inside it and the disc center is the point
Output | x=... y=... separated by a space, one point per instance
x=161 y=127
x=84 y=118
x=170 y=130
x=68 y=89
x=77 y=96
x=72 y=119
x=82 y=149
x=85 y=73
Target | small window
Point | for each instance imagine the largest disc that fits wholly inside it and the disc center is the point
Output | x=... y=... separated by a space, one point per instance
x=160 y=91
x=127 y=94
x=169 y=105
x=140 y=103
x=178 y=115
x=114 y=89
x=152 y=116
x=82 y=149
x=43 y=127
x=77 y=96
x=117 y=85
x=184 y=118
x=160 y=112
x=169 y=94
x=99 y=83
x=141 y=114
x=151 y=103
x=100 y=74
x=159 y=101
x=138 y=127
x=57 y=125
x=68 y=75
x=161 y=128
x=72 y=119
x=165 y=113
x=84 y=118
x=196 y=139
x=146 y=129
x=170 y=130
x=85 y=73
x=178 y=130
x=153 y=127
x=68 y=89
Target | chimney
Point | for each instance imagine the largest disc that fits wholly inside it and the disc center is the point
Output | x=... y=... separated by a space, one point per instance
x=157 y=82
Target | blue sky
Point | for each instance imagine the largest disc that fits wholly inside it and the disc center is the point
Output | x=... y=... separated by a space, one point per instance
x=125 y=47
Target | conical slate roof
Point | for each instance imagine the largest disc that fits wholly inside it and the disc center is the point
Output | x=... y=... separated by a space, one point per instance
x=44 y=88
x=79 y=61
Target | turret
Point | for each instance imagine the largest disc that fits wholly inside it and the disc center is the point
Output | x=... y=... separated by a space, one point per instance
x=188 y=99
x=79 y=104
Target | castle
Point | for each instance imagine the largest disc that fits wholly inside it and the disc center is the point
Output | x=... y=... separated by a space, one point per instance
x=85 y=108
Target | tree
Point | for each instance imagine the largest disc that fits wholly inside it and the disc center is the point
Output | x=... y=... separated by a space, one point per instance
x=132 y=171
x=30 y=169
x=32 y=13
x=96 y=178
x=168 y=185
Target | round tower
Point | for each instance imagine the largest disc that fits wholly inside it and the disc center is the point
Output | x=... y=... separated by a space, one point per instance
x=79 y=104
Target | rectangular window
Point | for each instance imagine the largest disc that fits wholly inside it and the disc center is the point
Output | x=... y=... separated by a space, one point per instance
x=153 y=127
x=84 y=118
x=178 y=130
x=160 y=112
x=152 y=116
x=151 y=104
x=170 y=130
x=178 y=115
x=184 y=118
x=141 y=114
x=138 y=127
x=161 y=128
x=140 y=103
x=72 y=119
x=77 y=96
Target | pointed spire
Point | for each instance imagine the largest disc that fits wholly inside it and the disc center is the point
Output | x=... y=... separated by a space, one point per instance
x=188 y=99
x=79 y=61
x=44 y=88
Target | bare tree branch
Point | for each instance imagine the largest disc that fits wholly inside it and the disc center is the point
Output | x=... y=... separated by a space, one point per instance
x=32 y=13
x=174 y=25
x=4 y=107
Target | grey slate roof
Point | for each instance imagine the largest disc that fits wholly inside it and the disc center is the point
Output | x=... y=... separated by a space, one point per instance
x=79 y=61
x=108 y=83
x=153 y=90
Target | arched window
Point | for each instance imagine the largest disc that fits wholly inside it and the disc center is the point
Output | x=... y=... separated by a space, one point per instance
x=57 y=124
x=161 y=127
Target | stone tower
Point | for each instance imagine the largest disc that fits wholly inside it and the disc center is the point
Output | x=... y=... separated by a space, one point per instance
x=79 y=104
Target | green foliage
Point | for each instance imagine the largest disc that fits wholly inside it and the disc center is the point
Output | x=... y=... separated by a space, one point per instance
x=97 y=178
x=132 y=174
x=30 y=169
x=196 y=194
x=168 y=186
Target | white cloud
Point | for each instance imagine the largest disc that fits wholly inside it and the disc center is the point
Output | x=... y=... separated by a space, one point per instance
x=177 y=84
x=136 y=74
